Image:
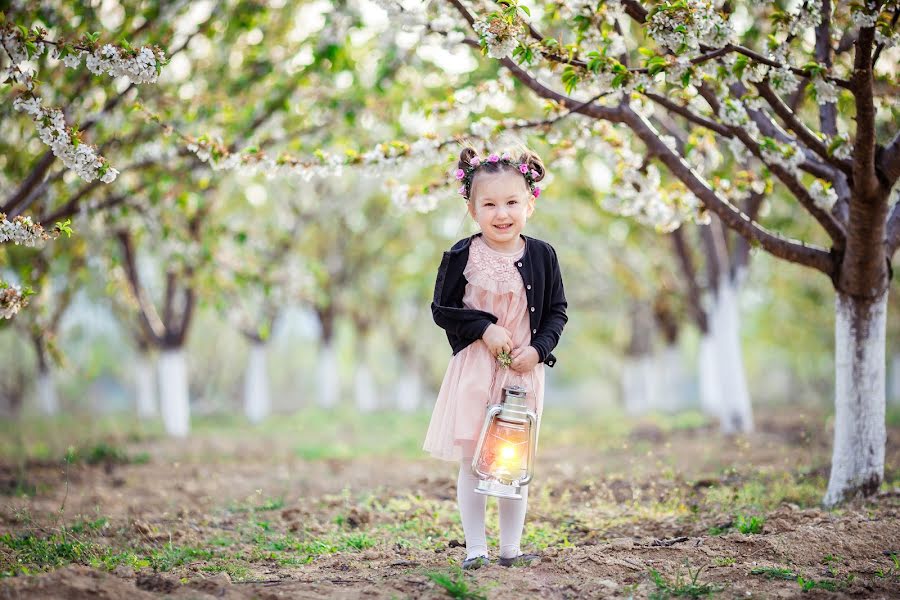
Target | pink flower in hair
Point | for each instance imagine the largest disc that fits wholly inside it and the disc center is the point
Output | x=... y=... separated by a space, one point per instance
x=493 y=158
x=475 y=161
x=523 y=168
x=506 y=156
x=460 y=173
x=536 y=192
x=534 y=174
x=462 y=190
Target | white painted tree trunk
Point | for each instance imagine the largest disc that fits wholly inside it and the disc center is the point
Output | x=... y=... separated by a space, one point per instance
x=48 y=403
x=409 y=391
x=670 y=396
x=857 y=463
x=639 y=383
x=736 y=414
x=146 y=388
x=329 y=380
x=173 y=392
x=257 y=403
x=364 y=389
x=708 y=375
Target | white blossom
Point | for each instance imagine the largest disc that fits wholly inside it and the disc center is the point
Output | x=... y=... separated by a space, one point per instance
x=826 y=92
x=865 y=17
x=21 y=231
x=823 y=194
x=690 y=26
x=12 y=300
x=783 y=80
x=499 y=37
x=52 y=130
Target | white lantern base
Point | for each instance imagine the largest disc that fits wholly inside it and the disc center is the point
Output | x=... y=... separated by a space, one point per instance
x=500 y=490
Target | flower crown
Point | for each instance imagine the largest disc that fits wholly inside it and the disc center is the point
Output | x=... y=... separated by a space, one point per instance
x=465 y=176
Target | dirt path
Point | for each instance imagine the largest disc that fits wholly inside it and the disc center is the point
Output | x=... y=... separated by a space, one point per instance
x=243 y=516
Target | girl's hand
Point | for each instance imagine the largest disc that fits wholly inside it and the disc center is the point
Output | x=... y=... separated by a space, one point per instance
x=524 y=359
x=497 y=338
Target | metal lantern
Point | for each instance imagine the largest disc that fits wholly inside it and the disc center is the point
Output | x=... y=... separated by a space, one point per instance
x=504 y=456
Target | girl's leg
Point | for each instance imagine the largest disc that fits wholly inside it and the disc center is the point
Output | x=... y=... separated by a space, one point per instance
x=471 y=505
x=512 y=521
x=471 y=509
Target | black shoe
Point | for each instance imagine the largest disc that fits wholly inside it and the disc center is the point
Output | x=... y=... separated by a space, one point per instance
x=522 y=560
x=476 y=562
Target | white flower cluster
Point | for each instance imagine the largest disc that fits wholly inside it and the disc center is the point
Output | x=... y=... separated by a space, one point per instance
x=865 y=17
x=634 y=192
x=373 y=162
x=826 y=92
x=51 y=125
x=806 y=15
x=823 y=194
x=498 y=35
x=789 y=156
x=12 y=300
x=142 y=67
x=117 y=62
x=844 y=150
x=891 y=41
x=21 y=231
x=690 y=26
x=423 y=202
x=783 y=80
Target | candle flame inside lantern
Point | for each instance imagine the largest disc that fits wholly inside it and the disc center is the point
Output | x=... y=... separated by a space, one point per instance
x=504 y=453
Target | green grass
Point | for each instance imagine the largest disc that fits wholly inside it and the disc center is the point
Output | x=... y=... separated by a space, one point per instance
x=774 y=573
x=170 y=556
x=749 y=524
x=689 y=586
x=457 y=585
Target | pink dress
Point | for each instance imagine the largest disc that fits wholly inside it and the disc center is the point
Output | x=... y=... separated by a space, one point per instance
x=474 y=379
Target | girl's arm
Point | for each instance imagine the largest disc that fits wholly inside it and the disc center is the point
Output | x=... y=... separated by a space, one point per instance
x=552 y=323
x=448 y=311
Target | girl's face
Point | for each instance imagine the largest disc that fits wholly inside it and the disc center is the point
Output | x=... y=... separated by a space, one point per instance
x=501 y=203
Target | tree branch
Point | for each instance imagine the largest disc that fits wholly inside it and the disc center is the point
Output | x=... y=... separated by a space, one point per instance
x=695 y=305
x=790 y=250
x=798 y=127
x=153 y=327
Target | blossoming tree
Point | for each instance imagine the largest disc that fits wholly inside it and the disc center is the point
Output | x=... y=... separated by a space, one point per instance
x=802 y=95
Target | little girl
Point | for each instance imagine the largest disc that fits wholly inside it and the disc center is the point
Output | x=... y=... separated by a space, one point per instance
x=496 y=291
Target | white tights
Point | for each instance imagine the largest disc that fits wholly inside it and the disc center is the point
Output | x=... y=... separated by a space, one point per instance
x=471 y=509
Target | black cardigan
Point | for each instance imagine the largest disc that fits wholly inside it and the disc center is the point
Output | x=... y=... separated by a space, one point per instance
x=539 y=268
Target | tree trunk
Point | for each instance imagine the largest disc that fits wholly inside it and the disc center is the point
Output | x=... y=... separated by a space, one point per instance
x=736 y=413
x=48 y=403
x=409 y=390
x=329 y=379
x=708 y=374
x=639 y=383
x=364 y=388
x=857 y=464
x=173 y=392
x=257 y=404
x=670 y=396
x=146 y=390
x=638 y=369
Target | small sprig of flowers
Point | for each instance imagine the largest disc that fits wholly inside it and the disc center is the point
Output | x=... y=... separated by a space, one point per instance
x=12 y=299
x=465 y=176
x=25 y=232
x=505 y=359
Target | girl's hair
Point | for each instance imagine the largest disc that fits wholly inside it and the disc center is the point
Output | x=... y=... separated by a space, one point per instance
x=519 y=153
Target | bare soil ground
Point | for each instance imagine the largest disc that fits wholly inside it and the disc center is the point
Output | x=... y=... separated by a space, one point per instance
x=646 y=510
